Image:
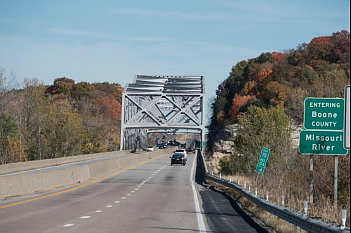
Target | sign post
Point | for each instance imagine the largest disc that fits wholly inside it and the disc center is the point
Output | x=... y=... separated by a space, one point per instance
x=347 y=118
x=311 y=181
x=325 y=133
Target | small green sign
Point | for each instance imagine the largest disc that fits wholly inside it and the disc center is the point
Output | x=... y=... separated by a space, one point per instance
x=324 y=113
x=322 y=142
x=262 y=162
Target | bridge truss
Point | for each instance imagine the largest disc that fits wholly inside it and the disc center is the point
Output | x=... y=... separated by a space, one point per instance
x=174 y=104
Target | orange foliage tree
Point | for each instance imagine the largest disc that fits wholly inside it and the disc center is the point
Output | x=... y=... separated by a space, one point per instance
x=238 y=102
x=110 y=107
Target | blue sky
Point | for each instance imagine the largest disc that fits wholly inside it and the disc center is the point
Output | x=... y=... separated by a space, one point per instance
x=112 y=41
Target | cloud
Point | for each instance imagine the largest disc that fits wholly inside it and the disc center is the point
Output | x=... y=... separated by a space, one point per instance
x=135 y=12
x=103 y=35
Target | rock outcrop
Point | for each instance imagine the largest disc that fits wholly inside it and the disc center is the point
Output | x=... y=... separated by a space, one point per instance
x=224 y=140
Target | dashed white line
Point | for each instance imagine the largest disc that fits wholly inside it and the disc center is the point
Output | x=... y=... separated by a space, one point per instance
x=68 y=225
x=123 y=198
x=200 y=219
x=129 y=194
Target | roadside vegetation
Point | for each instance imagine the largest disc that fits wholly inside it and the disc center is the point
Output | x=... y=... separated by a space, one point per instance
x=265 y=96
x=64 y=119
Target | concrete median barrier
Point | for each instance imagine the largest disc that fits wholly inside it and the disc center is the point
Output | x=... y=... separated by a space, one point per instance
x=23 y=184
x=30 y=165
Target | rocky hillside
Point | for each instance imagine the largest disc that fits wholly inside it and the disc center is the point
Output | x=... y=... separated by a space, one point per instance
x=320 y=68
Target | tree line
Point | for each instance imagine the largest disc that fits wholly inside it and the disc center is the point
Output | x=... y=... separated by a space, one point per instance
x=64 y=119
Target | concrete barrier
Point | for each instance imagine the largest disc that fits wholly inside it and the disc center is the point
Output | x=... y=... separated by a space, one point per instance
x=23 y=184
x=30 y=165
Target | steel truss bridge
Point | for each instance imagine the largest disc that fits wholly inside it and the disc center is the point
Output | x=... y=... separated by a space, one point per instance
x=162 y=104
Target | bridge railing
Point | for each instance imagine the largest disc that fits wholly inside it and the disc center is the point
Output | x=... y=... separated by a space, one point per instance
x=301 y=220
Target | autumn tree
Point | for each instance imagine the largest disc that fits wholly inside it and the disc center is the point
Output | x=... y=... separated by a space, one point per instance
x=7 y=132
x=262 y=127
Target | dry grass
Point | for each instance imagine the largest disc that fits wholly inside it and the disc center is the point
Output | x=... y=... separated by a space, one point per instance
x=294 y=197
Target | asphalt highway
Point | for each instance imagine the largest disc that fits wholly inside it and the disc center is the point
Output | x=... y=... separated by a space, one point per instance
x=154 y=197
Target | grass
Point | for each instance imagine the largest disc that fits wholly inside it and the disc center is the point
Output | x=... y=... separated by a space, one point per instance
x=294 y=198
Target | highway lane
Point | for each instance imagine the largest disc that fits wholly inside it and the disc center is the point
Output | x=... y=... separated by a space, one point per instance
x=153 y=197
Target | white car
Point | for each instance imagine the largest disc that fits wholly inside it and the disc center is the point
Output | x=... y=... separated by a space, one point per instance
x=150 y=148
x=183 y=151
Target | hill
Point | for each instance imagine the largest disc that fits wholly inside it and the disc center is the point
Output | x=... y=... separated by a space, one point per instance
x=319 y=69
x=259 y=105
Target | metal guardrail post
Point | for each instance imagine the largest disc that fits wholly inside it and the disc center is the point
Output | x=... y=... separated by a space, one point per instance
x=267 y=196
x=343 y=219
x=305 y=208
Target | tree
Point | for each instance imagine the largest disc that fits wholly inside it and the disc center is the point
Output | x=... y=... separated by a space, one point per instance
x=262 y=127
x=275 y=94
x=7 y=86
x=238 y=102
x=82 y=90
x=31 y=116
x=7 y=132
x=63 y=130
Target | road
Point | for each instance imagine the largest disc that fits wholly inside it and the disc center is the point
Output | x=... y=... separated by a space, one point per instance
x=151 y=198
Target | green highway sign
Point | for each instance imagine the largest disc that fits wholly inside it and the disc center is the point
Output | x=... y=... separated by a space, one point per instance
x=324 y=113
x=262 y=162
x=322 y=142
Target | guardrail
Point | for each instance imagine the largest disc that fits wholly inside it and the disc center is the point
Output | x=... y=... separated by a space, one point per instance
x=298 y=219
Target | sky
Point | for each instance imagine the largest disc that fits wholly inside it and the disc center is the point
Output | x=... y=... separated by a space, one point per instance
x=112 y=41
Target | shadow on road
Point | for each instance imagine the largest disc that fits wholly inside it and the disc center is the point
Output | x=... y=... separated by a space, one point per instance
x=221 y=210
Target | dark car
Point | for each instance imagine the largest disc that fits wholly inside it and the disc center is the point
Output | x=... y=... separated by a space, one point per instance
x=162 y=146
x=178 y=158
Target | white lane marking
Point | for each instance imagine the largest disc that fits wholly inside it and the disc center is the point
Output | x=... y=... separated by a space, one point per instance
x=123 y=198
x=68 y=225
x=98 y=211
x=85 y=217
x=200 y=219
x=117 y=202
x=109 y=206
x=132 y=191
x=139 y=186
x=129 y=194
x=136 y=189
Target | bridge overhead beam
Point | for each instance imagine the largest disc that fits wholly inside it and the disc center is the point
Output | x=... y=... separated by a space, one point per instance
x=161 y=103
